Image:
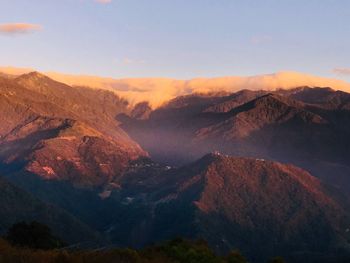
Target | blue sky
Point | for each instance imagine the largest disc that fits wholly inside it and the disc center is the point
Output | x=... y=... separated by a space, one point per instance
x=179 y=38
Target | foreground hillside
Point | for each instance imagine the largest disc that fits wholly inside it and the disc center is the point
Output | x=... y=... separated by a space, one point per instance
x=258 y=206
x=261 y=207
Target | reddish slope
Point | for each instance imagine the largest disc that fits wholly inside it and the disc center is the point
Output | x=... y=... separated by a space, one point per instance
x=60 y=132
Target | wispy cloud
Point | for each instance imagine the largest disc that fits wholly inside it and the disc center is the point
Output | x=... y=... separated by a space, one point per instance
x=18 y=28
x=103 y=1
x=342 y=71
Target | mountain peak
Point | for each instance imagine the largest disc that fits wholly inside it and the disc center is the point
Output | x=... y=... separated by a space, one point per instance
x=34 y=79
x=33 y=75
x=274 y=99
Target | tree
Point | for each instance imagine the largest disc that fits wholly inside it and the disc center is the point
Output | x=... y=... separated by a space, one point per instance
x=33 y=235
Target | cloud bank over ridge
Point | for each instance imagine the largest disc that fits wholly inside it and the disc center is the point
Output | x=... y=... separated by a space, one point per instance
x=159 y=90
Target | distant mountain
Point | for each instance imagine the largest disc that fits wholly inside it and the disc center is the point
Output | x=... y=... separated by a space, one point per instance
x=308 y=127
x=263 y=208
x=321 y=97
x=17 y=205
x=65 y=133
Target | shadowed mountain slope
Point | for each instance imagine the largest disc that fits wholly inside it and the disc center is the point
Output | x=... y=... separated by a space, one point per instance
x=17 y=205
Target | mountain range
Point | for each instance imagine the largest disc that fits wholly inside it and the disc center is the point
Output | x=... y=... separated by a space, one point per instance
x=305 y=126
x=263 y=171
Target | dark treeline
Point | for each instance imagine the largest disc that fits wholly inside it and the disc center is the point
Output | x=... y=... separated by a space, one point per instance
x=34 y=243
x=175 y=251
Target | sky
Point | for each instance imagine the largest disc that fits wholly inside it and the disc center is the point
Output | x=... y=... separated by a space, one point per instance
x=177 y=38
